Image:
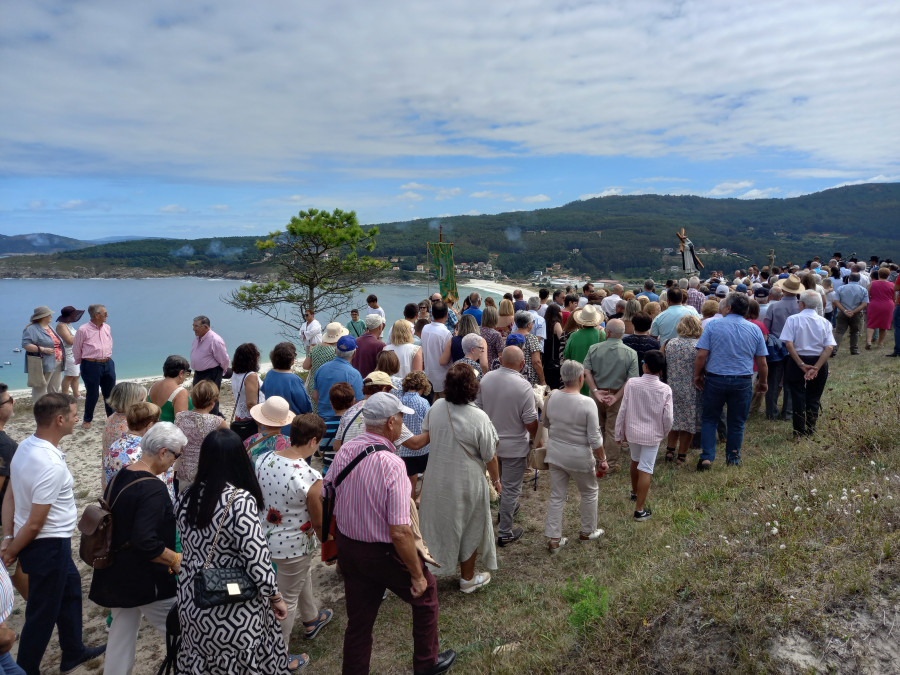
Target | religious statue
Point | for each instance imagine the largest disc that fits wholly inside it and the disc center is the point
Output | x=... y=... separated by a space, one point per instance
x=690 y=263
x=771 y=258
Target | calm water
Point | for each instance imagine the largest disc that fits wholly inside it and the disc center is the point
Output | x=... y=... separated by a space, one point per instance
x=151 y=318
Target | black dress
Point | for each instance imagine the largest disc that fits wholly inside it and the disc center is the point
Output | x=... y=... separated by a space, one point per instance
x=143 y=526
x=550 y=359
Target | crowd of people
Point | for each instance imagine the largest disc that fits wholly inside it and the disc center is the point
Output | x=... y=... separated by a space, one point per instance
x=416 y=429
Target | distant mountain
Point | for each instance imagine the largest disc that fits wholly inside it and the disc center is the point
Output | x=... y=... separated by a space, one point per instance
x=40 y=242
x=115 y=240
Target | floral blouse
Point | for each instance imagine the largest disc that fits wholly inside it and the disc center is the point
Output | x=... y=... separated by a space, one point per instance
x=127 y=450
x=286 y=522
x=273 y=442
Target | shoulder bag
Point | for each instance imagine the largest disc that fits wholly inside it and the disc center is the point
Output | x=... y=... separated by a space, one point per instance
x=214 y=586
x=243 y=428
x=537 y=456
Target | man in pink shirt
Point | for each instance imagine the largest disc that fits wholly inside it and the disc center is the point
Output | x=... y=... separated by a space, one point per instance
x=645 y=419
x=92 y=350
x=209 y=357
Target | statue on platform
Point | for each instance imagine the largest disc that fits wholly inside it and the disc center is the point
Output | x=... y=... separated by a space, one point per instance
x=690 y=263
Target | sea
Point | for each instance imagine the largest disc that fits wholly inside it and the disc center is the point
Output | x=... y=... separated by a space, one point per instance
x=151 y=318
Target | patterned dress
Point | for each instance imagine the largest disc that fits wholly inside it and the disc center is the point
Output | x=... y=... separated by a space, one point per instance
x=318 y=355
x=127 y=450
x=243 y=637
x=680 y=355
x=266 y=445
x=532 y=345
x=196 y=426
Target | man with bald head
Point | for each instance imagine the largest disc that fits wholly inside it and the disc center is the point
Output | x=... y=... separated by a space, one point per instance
x=607 y=366
x=508 y=400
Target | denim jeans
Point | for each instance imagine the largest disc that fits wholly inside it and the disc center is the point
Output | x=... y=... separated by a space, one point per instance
x=718 y=391
x=97 y=376
x=54 y=599
x=8 y=666
x=776 y=373
x=897 y=329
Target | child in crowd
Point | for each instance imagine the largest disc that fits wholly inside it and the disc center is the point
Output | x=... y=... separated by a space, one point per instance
x=372 y=302
x=415 y=388
x=342 y=397
x=645 y=419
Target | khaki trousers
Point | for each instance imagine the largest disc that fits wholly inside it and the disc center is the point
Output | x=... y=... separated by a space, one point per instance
x=295 y=583
x=608 y=416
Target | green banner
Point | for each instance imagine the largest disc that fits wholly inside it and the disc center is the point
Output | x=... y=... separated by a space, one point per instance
x=442 y=257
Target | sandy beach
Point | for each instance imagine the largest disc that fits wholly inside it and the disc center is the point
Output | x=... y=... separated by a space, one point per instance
x=82 y=451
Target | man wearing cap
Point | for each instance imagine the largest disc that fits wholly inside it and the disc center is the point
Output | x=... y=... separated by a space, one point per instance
x=850 y=304
x=809 y=342
x=776 y=315
x=376 y=543
x=369 y=345
x=762 y=297
x=508 y=400
x=587 y=335
x=92 y=350
x=665 y=325
x=209 y=356
x=355 y=327
x=435 y=337
x=607 y=367
x=311 y=331
x=339 y=369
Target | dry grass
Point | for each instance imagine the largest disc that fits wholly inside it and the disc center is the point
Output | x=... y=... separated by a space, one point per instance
x=707 y=585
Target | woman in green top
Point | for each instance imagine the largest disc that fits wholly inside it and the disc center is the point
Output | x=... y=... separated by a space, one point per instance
x=321 y=354
x=579 y=342
x=168 y=393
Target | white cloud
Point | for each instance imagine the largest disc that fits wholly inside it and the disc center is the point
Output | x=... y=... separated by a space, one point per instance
x=756 y=193
x=220 y=207
x=72 y=204
x=447 y=193
x=473 y=212
x=608 y=192
x=874 y=179
x=661 y=179
x=815 y=173
x=416 y=186
x=173 y=208
x=35 y=204
x=729 y=187
x=534 y=199
x=411 y=196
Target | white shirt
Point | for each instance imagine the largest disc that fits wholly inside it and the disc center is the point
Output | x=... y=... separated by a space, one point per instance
x=809 y=332
x=542 y=311
x=285 y=484
x=311 y=333
x=42 y=477
x=609 y=304
x=376 y=310
x=539 y=329
x=435 y=337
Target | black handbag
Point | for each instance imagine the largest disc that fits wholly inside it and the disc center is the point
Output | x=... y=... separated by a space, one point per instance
x=243 y=428
x=215 y=586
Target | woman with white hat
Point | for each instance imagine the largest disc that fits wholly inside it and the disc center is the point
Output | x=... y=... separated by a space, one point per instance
x=588 y=318
x=321 y=354
x=271 y=415
x=45 y=357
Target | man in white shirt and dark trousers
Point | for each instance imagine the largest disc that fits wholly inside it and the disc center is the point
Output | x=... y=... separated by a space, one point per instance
x=45 y=518
x=809 y=342
x=435 y=336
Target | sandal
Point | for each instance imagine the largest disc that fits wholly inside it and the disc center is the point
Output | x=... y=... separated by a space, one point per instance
x=704 y=465
x=555 y=544
x=313 y=627
x=301 y=659
x=670 y=454
x=682 y=459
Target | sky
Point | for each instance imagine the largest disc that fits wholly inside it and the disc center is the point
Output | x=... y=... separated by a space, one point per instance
x=197 y=119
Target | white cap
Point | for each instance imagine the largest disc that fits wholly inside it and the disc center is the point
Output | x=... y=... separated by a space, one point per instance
x=382 y=405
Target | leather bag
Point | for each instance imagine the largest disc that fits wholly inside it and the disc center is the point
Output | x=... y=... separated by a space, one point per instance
x=214 y=586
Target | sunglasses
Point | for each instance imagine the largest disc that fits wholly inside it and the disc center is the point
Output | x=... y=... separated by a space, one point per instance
x=9 y=400
x=176 y=455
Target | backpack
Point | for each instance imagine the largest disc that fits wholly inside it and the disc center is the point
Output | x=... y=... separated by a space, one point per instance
x=96 y=527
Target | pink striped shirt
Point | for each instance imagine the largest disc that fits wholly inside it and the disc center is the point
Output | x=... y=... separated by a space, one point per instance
x=92 y=342
x=645 y=416
x=376 y=493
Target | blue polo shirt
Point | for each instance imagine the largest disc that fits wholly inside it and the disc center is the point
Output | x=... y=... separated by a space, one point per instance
x=474 y=311
x=732 y=343
x=329 y=374
x=650 y=295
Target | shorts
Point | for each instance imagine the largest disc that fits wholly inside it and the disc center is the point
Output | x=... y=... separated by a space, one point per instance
x=416 y=464
x=644 y=455
x=72 y=369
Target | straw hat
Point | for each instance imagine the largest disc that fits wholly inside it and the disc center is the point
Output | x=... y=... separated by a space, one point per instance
x=588 y=316
x=791 y=284
x=273 y=412
x=41 y=312
x=333 y=332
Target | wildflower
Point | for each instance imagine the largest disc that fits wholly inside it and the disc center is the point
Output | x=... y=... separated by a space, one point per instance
x=782 y=547
x=813 y=492
x=857 y=511
x=844 y=498
x=872 y=462
x=797 y=509
x=774 y=530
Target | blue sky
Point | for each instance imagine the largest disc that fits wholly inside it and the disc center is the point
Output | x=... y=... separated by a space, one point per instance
x=210 y=119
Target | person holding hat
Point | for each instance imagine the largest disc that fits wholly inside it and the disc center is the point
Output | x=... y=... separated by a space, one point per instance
x=92 y=350
x=369 y=345
x=339 y=369
x=272 y=415
x=376 y=542
x=44 y=354
x=72 y=372
x=320 y=354
x=588 y=319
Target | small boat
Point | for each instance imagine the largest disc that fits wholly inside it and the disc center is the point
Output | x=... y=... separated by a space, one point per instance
x=17 y=349
x=7 y=363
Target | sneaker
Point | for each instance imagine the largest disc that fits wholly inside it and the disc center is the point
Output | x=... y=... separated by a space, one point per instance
x=593 y=536
x=510 y=538
x=554 y=546
x=733 y=462
x=476 y=582
x=88 y=654
x=641 y=516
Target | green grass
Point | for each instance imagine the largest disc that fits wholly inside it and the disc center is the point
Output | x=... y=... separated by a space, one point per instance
x=705 y=585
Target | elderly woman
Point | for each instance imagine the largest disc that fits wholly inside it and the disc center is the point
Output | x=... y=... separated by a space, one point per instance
x=475 y=351
x=320 y=354
x=142 y=417
x=680 y=354
x=534 y=369
x=455 y=513
x=284 y=382
x=121 y=398
x=292 y=493
x=272 y=416
x=632 y=307
x=507 y=316
x=44 y=354
x=408 y=354
x=245 y=387
x=169 y=394
x=141 y=580
x=197 y=424
x=218 y=517
x=653 y=308
x=879 y=312
x=490 y=319
x=72 y=372
x=453 y=350
x=574 y=448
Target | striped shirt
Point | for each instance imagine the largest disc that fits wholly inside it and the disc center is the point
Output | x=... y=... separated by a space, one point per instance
x=6 y=594
x=375 y=495
x=92 y=342
x=695 y=298
x=645 y=416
